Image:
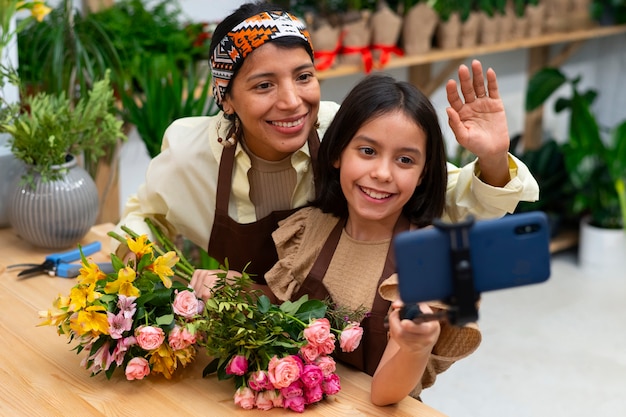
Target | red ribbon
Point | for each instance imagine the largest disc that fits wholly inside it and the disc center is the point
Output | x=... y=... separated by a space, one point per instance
x=366 y=55
x=325 y=59
x=386 y=51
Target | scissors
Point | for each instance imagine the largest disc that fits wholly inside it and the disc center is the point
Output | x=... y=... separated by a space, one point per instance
x=59 y=264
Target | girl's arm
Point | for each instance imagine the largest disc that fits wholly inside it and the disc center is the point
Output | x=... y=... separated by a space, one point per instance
x=405 y=358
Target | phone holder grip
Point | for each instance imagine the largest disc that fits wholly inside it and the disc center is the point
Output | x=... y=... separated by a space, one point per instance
x=464 y=296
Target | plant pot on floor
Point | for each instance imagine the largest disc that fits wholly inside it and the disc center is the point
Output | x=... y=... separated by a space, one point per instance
x=54 y=214
x=601 y=251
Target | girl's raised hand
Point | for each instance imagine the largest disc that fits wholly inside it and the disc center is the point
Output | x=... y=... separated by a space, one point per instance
x=476 y=116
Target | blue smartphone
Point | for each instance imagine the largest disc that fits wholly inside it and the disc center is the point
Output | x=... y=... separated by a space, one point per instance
x=507 y=252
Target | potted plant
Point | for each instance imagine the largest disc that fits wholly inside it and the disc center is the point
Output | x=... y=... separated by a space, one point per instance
x=609 y=12
x=56 y=201
x=595 y=159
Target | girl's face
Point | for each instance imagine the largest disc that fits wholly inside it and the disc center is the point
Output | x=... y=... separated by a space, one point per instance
x=276 y=96
x=379 y=171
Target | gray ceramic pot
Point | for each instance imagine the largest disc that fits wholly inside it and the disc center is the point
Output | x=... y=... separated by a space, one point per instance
x=10 y=169
x=55 y=214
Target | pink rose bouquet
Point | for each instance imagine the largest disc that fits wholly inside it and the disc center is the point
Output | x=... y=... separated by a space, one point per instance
x=279 y=356
x=136 y=318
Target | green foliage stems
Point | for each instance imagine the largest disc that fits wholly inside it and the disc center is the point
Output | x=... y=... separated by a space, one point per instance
x=51 y=129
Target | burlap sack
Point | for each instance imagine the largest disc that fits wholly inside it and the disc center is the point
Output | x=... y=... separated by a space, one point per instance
x=449 y=33
x=356 y=42
x=418 y=29
x=386 y=26
x=536 y=19
x=327 y=44
x=489 y=28
x=470 y=30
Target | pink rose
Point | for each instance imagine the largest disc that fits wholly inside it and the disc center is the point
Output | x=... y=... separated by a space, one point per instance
x=244 y=398
x=137 y=368
x=328 y=346
x=283 y=372
x=318 y=332
x=185 y=304
x=331 y=385
x=309 y=352
x=149 y=337
x=294 y=404
x=180 y=338
x=312 y=376
x=238 y=365
x=259 y=381
x=264 y=401
x=313 y=394
x=351 y=337
x=296 y=389
x=327 y=365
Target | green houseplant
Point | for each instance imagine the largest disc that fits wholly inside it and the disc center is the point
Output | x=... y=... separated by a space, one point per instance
x=595 y=158
x=47 y=128
x=57 y=200
x=609 y=12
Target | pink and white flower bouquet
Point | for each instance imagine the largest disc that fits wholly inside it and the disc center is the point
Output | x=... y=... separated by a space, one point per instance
x=277 y=355
x=136 y=318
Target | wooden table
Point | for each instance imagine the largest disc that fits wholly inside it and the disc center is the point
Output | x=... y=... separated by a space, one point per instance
x=41 y=376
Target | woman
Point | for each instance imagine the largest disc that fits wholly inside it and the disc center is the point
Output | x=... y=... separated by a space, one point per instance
x=225 y=181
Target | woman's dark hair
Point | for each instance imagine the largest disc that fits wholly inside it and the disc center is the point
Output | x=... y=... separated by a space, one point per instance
x=372 y=97
x=245 y=11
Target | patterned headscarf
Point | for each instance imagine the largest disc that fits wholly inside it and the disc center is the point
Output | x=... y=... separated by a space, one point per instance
x=245 y=38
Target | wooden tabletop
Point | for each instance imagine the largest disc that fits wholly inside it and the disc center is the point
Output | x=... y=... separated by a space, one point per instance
x=41 y=376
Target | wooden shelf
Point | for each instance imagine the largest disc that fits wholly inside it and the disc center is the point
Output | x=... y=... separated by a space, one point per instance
x=437 y=55
x=566 y=239
x=421 y=74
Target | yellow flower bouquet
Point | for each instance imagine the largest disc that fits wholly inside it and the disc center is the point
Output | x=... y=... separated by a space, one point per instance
x=137 y=318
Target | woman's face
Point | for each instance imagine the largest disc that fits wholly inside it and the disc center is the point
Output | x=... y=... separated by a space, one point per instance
x=276 y=96
x=379 y=170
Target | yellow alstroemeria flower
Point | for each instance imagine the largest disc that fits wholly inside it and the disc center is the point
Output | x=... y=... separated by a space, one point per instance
x=92 y=320
x=163 y=265
x=90 y=274
x=40 y=10
x=124 y=283
x=81 y=295
x=139 y=246
x=163 y=361
x=53 y=318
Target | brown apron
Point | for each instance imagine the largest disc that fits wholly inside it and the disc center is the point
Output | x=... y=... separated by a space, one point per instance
x=251 y=242
x=374 y=341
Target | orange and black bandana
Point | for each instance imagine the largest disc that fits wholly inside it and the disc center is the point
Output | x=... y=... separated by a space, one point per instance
x=245 y=38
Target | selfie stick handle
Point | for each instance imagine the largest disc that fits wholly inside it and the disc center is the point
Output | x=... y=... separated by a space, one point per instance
x=464 y=296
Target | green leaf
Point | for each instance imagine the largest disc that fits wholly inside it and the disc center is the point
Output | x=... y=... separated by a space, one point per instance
x=165 y=320
x=541 y=86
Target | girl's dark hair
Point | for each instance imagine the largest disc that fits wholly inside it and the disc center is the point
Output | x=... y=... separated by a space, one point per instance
x=374 y=96
x=245 y=11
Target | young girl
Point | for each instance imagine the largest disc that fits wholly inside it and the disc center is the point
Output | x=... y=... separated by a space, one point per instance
x=381 y=170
